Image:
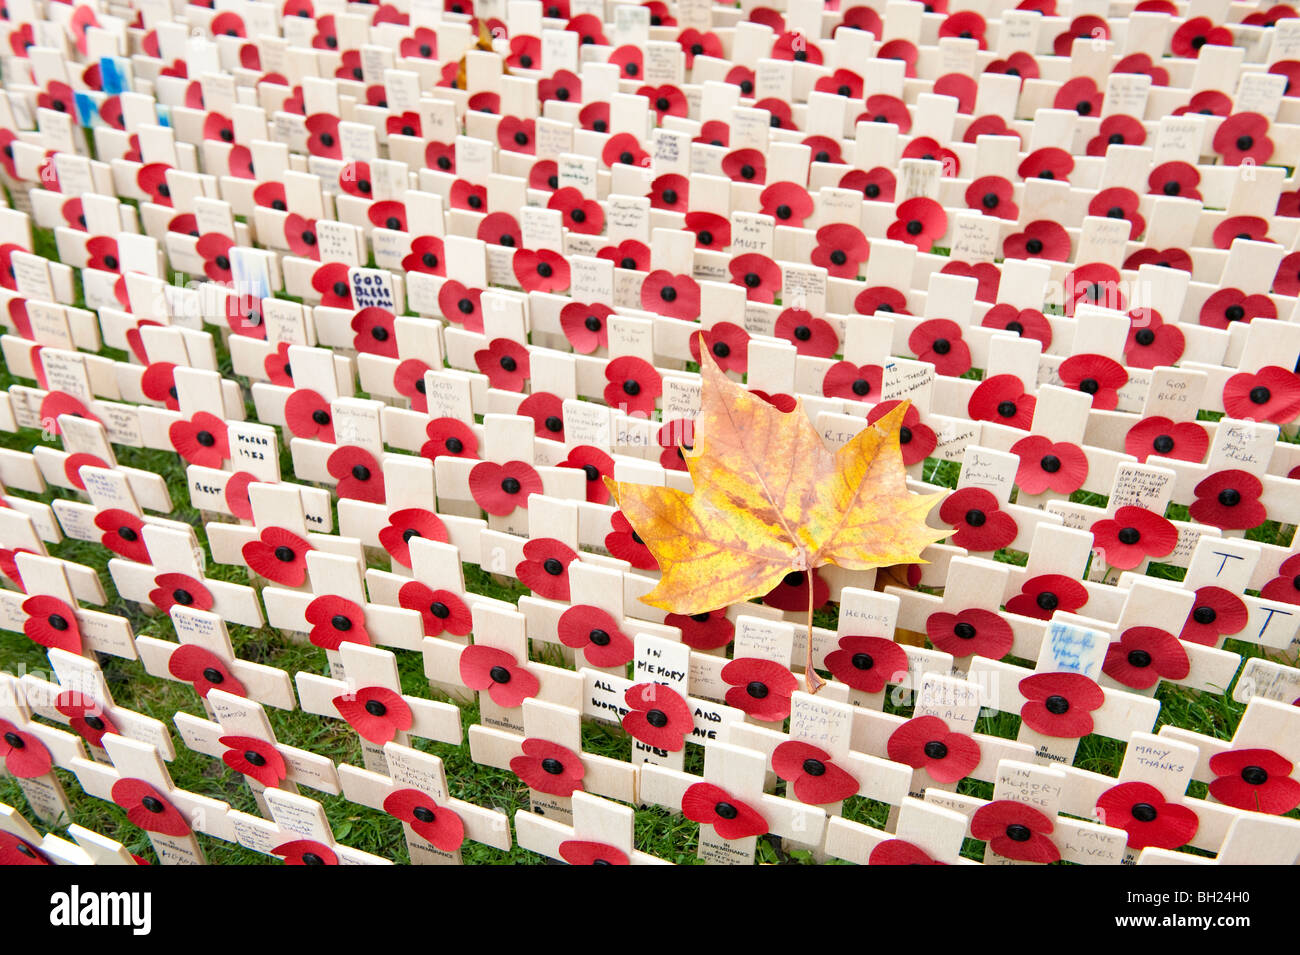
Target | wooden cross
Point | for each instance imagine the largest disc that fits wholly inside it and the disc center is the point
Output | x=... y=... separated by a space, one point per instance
x=31 y=750
x=730 y=805
x=49 y=612
x=549 y=758
x=206 y=658
x=138 y=781
x=24 y=841
x=435 y=823
x=922 y=831
x=81 y=699
x=602 y=833
x=370 y=698
x=1231 y=565
x=298 y=832
x=241 y=736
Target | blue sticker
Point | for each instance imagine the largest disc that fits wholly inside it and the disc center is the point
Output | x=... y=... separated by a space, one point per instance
x=87 y=109
x=164 y=115
x=110 y=75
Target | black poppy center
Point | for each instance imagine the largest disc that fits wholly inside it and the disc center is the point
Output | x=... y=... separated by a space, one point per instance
x=341 y=622
x=784 y=212
x=657 y=718
x=475 y=201
x=254 y=758
x=964 y=631
x=1245 y=142
x=15 y=741
x=127 y=534
x=510 y=485
x=915 y=227
x=153 y=804
x=1050 y=463
x=599 y=637
x=1205 y=615
x=57 y=621
x=1057 y=705
x=1129 y=535
x=94 y=722
x=861 y=387
x=1034 y=246
x=552 y=766
x=361 y=472
x=757 y=689
x=375 y=708
x=935 y=749
x=182 y=597
x=726 y=810
x=1260 y=395
x=990 y=200
x=554 y=424
x=1229 y=497
x=320 y=417
x=631 y=387
x=213 y=675
x=1047 y=600
x=976 y=517
x=577 y=215
x=1139 y=658
x=941 y=346
x=668 y=293
x=1143 y=812
x=508 y=363
x=423 y=814
x=814 y=767
x=1018 y=833
x=862 y=661
x=552 y=567
x=905 y=435
x=1254 y=775
x=499 y=674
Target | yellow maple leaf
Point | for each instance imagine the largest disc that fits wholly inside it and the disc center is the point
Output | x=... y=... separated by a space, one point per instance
x=769 y=499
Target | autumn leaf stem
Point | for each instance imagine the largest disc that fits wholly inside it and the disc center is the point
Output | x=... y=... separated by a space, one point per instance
x=810 y=678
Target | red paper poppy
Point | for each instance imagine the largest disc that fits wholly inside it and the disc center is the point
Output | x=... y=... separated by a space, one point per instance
x=148 y=808
x=1288 y=68
x=1043 y=595
x=1081 y=95
x=323 y=136
x=1025 y=322
x=624 y=148
x=388 y=214
x=336 y=620
x=1060 y=467
x=152 y=179
x=308 y=415
x=1094 y=284
x=925 y=742
x=1217 y=613
x=666 y=100
x=992 y=196
x=305 y=852
x=497 y=672
x=1151 y=342
x=630 y=61
x=977 y=521
x=423 y=44
x=715 y=132
x=202 y=440
x=624 y=543
x=1094 y=375
x=1081 y=28
x=1018 y=64
x=1060 y=704
x=461 y=306
x=300 y=233
x=939 y=342
x=596 y=634
x=545 y=567
x=841 y=250
x=657 y=716
x=812 y=776
x=760 y=687
x=670 y=192
x=437 y=824
x=1119 y=203
x=1256 y=780
x=745 y=165
x=1183 y=440
x=1197 y=32
x=880 y=298
x=375 y=712
x=449 y=436
x=712 y=805
x=596 y=465
x=788 y=202
x=236 y=496
x=255 y=758
x=824 y=149
x=1048 y=162
x=988 y=126
x=585 y=326
x=173 y=590
x=630 y=254
x=204 y=669
x=1116 y=130
x=525 y=53
x=917 y=440
x=102 y=250
x=810 y=336
x=696 y=43
x=52 y=623
x=159 y=384
x=359 y=474
x=549 y=768
x=581 y=215
x=1270 y=17
x=842 y=83
x=1142 y=655
x=758 y=275
x=711 y=231
x=854 y=382
x=867 y=663
x=899 y=852
x=925 y=147
x=1230 y=305
x=727 y=343
x=676 y=296
x=123 y=534
x=1141 y=63
x=1133 y=535
x=440 y=157
x=986 y=274
x=792 y=592
x=919 y=222
x=1272 y=394
x=489 y=103
x=467 y=195
x=1141 y=810
x=271 y=195
x=86 y=716
x=564 y=86
x=903 y=50
x=783 y=403
x=1252 y=228
x=1174 y=179
x=588 y=26
x=331 y=281
x=14 y=851
x=1229 y=500
x=500 y=488
x=73 y=464
x=795 y=46
x=1014 y=830
x=876 y=184
x=967 y=25
x=408 y=379
x=58 y=403
x=279 y=556
x=547 y=412
x=633 y=385
x=1286 y=281
x=541 y=271
x=972 y=632
x=780 y=113
x=711 y=630
x=440 y=610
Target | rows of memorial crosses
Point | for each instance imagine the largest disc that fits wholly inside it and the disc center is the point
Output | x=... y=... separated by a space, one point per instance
x=325 y=323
